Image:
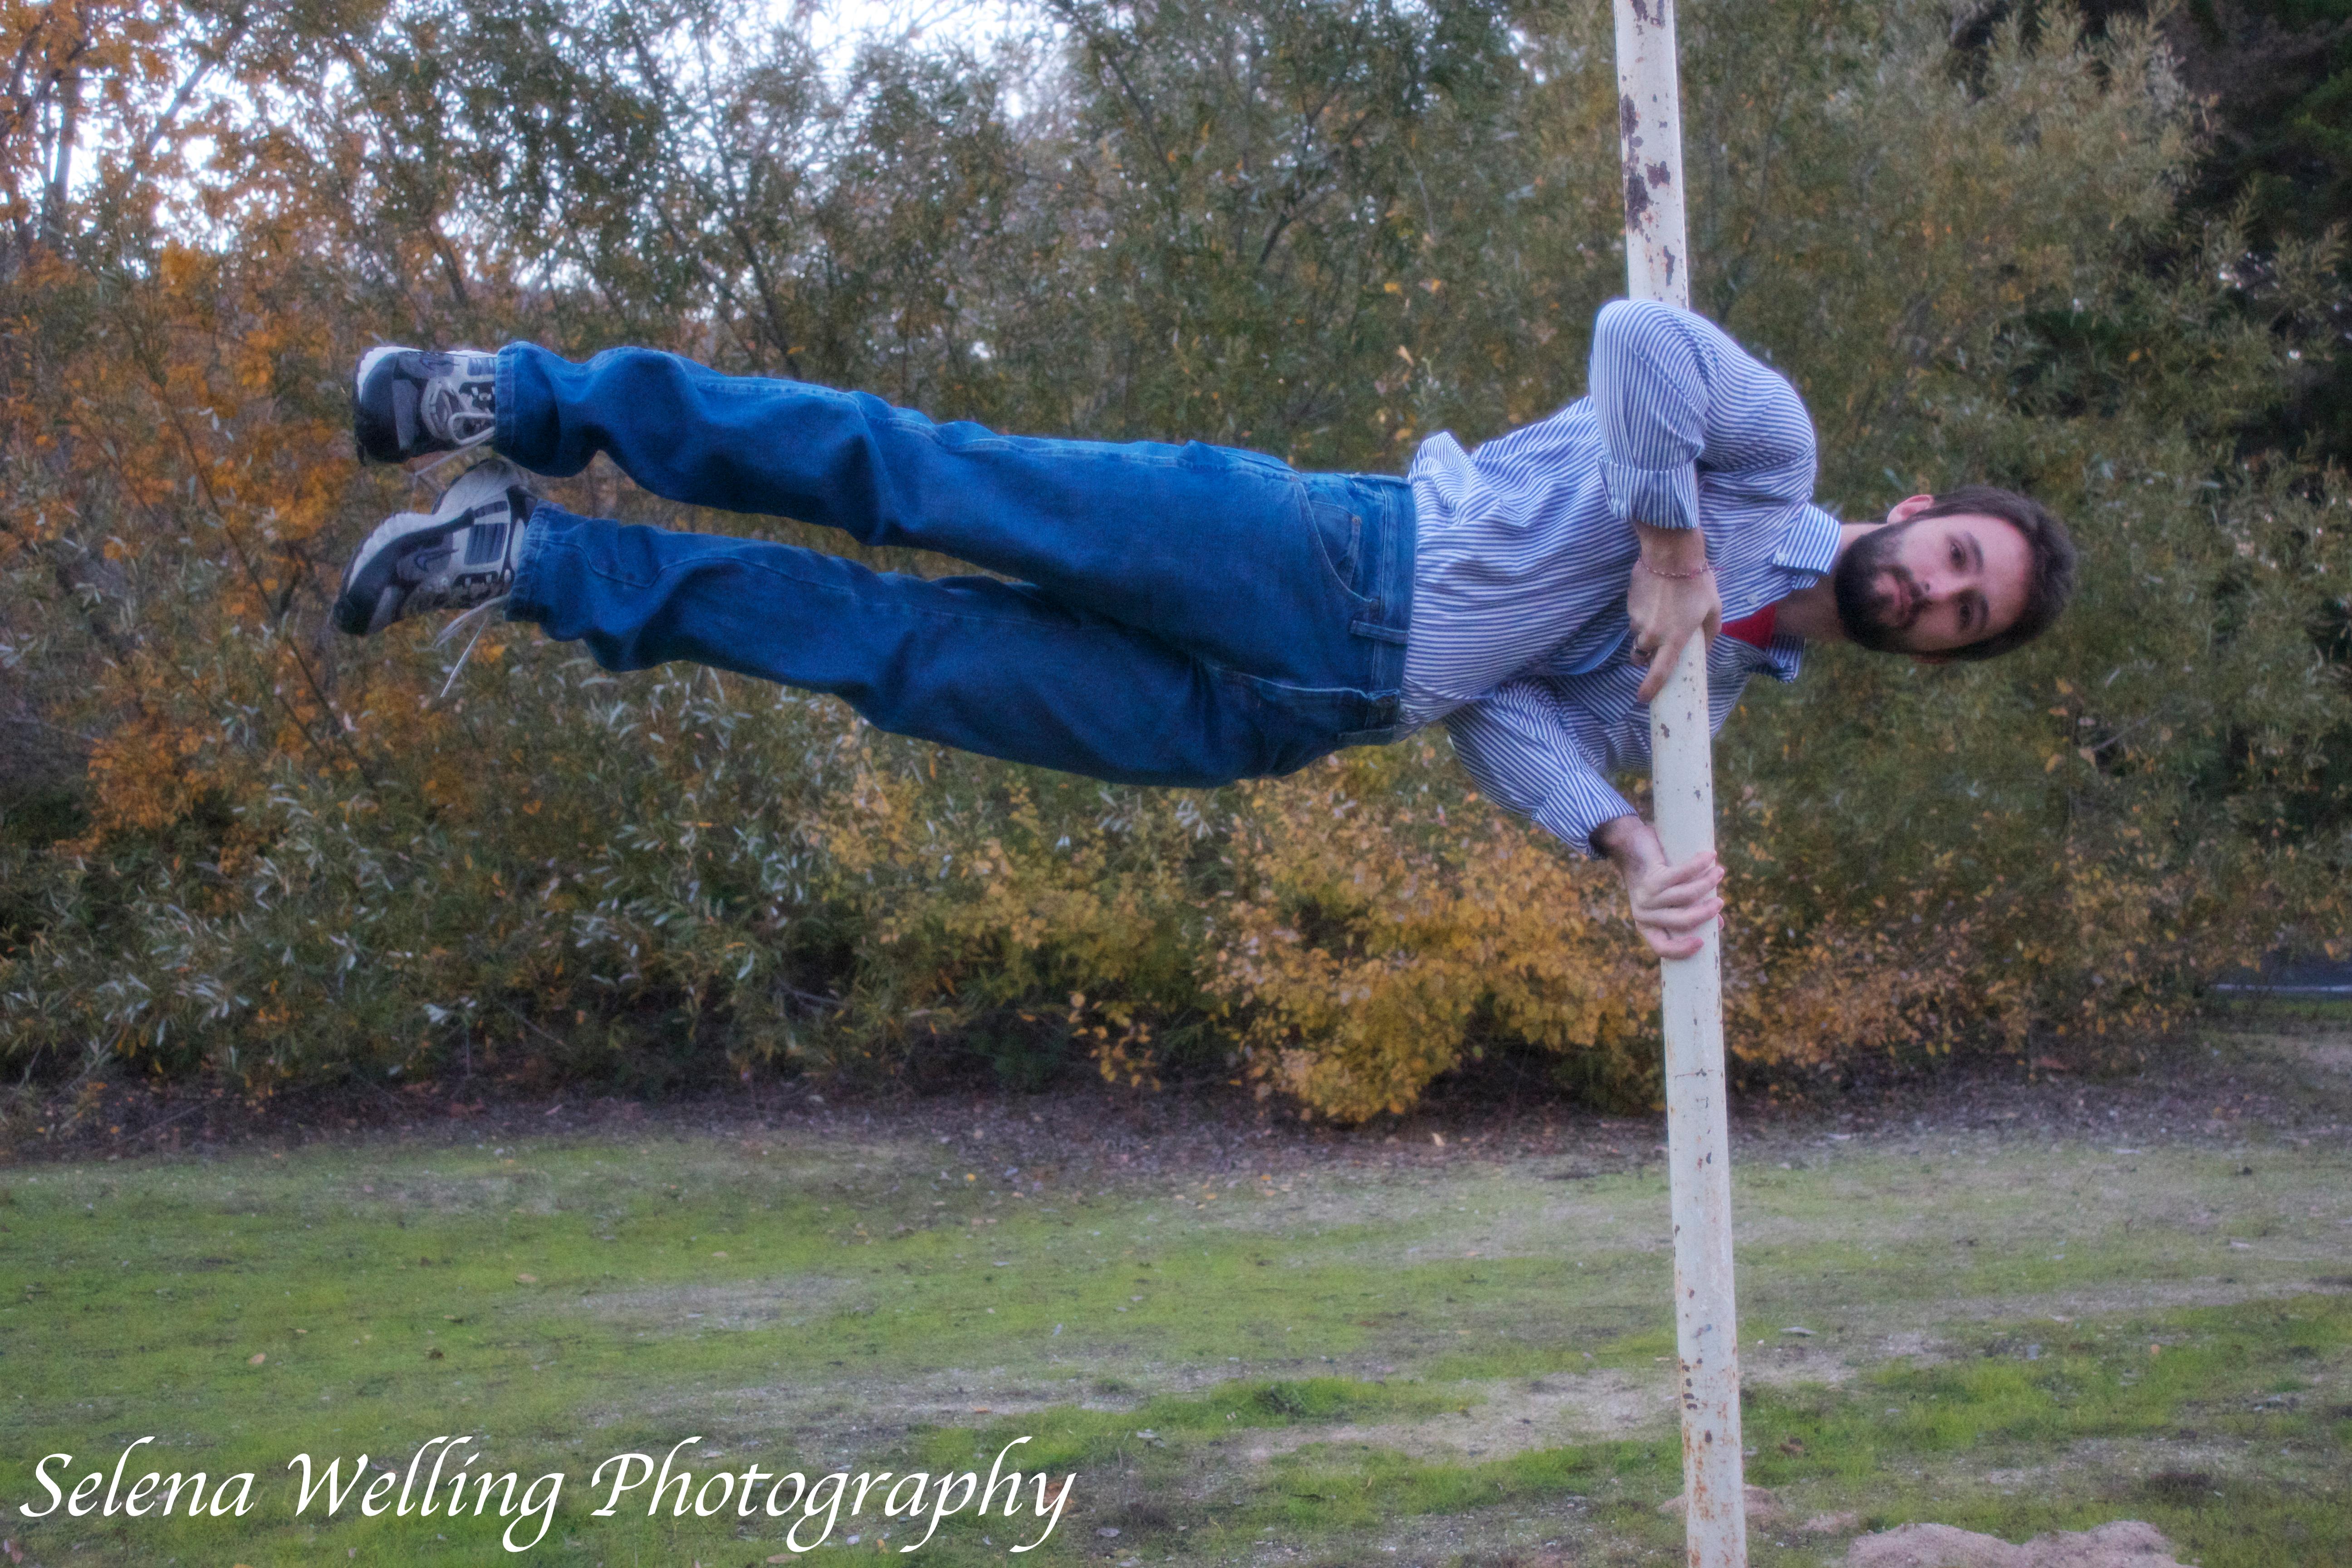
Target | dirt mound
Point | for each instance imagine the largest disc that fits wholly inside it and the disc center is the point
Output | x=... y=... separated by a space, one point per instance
x=2127 y=1543
x=1761 y=1506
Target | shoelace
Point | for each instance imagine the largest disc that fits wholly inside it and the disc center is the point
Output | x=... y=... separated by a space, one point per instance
x=421 y=476
x=446 y=633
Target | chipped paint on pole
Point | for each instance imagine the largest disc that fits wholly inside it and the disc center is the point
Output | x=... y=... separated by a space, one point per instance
x=1657 y=266
x=1650 y=143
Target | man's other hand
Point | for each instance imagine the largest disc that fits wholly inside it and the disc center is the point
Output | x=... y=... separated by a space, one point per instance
x=1673 y=905
x=1671 y=598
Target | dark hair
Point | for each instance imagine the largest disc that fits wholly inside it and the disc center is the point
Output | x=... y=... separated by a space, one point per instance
x=2052 y=583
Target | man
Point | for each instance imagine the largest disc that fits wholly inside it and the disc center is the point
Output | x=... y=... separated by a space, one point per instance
x=1194 y=615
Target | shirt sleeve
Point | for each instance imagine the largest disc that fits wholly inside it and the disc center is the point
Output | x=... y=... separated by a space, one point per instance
x=1672 y=389
x=1533 y=753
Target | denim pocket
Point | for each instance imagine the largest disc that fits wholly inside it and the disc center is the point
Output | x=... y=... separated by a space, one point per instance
x=1297 y=725
x=1339 y=535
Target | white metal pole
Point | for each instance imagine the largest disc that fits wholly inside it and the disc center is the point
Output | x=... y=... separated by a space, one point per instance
x=1657 y=266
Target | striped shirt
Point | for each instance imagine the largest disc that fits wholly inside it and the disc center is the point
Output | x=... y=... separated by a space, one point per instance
x=1519 y=640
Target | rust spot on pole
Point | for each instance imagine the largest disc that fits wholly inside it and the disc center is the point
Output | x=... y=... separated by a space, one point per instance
x=1637 y=200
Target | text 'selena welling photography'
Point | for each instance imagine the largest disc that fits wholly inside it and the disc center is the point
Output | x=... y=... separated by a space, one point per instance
x=437 y=1481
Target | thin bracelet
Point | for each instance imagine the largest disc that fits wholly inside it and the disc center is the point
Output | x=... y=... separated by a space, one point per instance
x=1673 y=576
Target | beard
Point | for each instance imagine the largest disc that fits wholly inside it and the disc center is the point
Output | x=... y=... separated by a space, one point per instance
x=1872 y=616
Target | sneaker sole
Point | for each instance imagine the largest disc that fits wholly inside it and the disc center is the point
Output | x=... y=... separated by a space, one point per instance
x=378 y=415
x=375 y=431
x=368 y=599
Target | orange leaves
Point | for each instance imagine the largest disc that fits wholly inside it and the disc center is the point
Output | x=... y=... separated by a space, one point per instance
x=1363 y=952
x=138 y=780
x=185 y=272
x=171 y=454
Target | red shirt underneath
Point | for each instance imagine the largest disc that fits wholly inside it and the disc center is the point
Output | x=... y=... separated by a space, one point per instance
x=1755 y=630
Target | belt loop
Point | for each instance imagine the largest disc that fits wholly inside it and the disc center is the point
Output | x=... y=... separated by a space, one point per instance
x=1402 y=548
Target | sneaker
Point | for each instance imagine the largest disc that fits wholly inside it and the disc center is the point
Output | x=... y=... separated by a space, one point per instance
x=462 y=556
x=408 y=402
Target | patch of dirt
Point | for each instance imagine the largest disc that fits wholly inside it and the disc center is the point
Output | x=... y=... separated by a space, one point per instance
x=689 y=1309
x=2330 y=1051
x=1760 y=1506
x=2136 y=1297
x=846 y=1417
x=1509 y=1416
x=1786 y=1366
x=2127 y=1543
x=1498 y=1418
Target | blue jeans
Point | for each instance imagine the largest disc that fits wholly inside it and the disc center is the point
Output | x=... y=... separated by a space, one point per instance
x=1183 y=615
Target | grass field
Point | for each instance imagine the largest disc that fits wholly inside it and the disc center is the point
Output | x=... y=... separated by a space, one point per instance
x=1366 y=1350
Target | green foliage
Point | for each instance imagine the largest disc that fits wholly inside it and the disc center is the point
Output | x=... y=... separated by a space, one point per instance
x=1323 y=229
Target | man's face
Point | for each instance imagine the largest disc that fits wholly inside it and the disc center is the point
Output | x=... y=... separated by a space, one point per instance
x=1928 y=585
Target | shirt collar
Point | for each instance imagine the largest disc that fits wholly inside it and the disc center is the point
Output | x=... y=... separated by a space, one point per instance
x=1782 y=659
x=1810 y=548
x=1808 y=552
